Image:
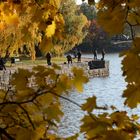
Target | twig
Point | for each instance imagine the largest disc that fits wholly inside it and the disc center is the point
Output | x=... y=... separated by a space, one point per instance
x=60 y=96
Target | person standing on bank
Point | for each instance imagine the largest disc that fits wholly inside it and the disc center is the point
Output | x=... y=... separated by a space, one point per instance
x=79 y=56
x=103 y=54
x=2 y=64
x=48 y=57
x=95 y=54
x=69 y=59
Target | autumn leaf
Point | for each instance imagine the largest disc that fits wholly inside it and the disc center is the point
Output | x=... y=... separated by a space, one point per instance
x=22 y=77
x=94 y=127
x=90 y=104
x=117 y=135
x=53 y=112
x=79 y=78
x=120 y=118
x=132 y=95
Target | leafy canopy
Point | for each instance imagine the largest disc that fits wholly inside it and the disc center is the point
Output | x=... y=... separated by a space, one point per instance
x=31 y=106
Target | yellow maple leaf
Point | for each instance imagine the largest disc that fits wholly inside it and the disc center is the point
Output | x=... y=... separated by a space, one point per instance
x=79 y=78
x=90 y=104
x=132 y=95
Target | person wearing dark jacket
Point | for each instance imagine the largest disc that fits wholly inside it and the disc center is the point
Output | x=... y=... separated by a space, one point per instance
x=95 y=54
x=103 y=54
x=69 y=59
x=79 y=56
x=48 y=57
x=2 y=64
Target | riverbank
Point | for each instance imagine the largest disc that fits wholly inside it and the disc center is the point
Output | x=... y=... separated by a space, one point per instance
x=65 y=68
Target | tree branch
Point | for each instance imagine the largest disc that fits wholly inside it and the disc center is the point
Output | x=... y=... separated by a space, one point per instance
x=131 y=29
x=3 y=131
x=60 y=96
x=26 y=112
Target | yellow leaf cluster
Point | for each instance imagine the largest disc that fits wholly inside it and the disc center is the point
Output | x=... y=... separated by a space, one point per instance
x=12 y=19
x=54 y=112
x=132 y=73
x=37 y=20
x=132 y=95
x=64 y=84
x=2 y=26
x=31 y=109
x=94 y=127
x=116 y=125
x=79 y=78
x=22 y=77
x=55 y=3
x=50 y=30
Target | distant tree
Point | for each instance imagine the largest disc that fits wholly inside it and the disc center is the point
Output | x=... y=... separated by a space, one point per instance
x=88 y=10
x=95 y=33
x=74 y=29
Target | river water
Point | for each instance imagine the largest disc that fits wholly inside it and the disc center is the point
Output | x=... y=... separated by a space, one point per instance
x=108 y=91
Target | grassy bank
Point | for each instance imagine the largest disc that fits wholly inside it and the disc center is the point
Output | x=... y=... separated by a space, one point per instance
x=40 y=61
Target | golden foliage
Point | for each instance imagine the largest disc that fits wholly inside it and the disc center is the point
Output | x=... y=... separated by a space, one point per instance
x=79 y=78
x=50 y=30
x=31 y=106
x=73 y=31
x=28 y=21
x=131 y=73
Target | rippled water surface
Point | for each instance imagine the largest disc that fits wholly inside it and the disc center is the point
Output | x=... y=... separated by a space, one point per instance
x=108 y=91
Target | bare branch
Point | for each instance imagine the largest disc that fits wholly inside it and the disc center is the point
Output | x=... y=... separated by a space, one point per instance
x=60 y=96
x=131 y=29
